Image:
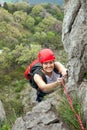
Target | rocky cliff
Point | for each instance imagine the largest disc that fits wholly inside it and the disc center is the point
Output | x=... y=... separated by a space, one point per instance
x=74 y=37
x=42 y=117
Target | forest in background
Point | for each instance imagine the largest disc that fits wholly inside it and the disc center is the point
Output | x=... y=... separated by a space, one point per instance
x=24 y=30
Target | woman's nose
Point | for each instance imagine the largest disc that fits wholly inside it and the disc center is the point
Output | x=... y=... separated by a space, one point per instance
x=48 y=64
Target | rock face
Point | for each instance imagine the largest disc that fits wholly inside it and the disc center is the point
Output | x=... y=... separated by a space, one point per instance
x=42 y=117
x=2 y=113
x=74 y=37
x=83 y=97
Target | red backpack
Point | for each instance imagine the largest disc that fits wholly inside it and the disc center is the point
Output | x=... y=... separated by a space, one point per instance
x=34 y=67
x=27 y=72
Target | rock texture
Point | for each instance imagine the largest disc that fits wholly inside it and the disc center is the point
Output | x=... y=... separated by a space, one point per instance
x=42 y=117
x=2 y=113
x=74 y=37
x=82 y=91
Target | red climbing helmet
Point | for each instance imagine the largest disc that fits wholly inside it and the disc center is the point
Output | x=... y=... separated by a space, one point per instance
x=46 y=55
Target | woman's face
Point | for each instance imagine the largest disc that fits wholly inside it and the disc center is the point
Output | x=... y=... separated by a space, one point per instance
x=48 y=66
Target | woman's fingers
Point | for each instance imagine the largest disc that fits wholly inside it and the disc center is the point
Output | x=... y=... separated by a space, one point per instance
x=60 y=80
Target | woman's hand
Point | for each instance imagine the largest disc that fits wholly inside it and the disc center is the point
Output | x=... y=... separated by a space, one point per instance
x=60 y=80
x=61 y=68
x=64 y=73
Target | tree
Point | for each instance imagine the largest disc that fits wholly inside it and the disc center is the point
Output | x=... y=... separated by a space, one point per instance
x=40 y=37
x=46 y=24
x=20 y=16
x=19 y=56
x=22 y=6
x=29 y=22
x=19 y=6
x=10 y=7
x=5 y=16
x=37 y=9
x=14 y=62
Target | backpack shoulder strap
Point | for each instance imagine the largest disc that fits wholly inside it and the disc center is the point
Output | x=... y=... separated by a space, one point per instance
x=40 y=94
x=39 y=71
x=42 y=75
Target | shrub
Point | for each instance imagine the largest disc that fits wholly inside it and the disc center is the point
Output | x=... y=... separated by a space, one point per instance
x=67 y=114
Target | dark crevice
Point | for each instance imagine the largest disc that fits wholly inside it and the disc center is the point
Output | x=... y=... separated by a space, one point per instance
x=74 y=17
x=53 y=122
x=83 y=51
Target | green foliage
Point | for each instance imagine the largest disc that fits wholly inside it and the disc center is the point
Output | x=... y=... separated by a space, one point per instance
x=29 y=23
x=19 y=22
x=10 y=7
x=26 y=54
x=55 y=43
x=20 y=16
x=21 y=6
x=37 y=9
x=60 y=16
x=10 y=35
x=67 y=114
x=5 y=16
x=49 y=39
x=49 y=24
x=47 y=33
x=19 y=85
x=85 y=75
x=5 y=126
x=55 y=11
x=13 y=109
x=46 y=24
x=61 y=56
x=13 y=63
x=20 y=55
x=38 y=19
x=40 y=37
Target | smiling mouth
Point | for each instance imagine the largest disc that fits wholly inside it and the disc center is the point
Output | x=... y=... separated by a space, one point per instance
x=50 y=69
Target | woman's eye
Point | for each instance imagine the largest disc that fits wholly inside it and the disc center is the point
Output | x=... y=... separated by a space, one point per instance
x=50 y=62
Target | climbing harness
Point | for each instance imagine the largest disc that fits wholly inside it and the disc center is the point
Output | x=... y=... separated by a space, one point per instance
x=72 y=107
